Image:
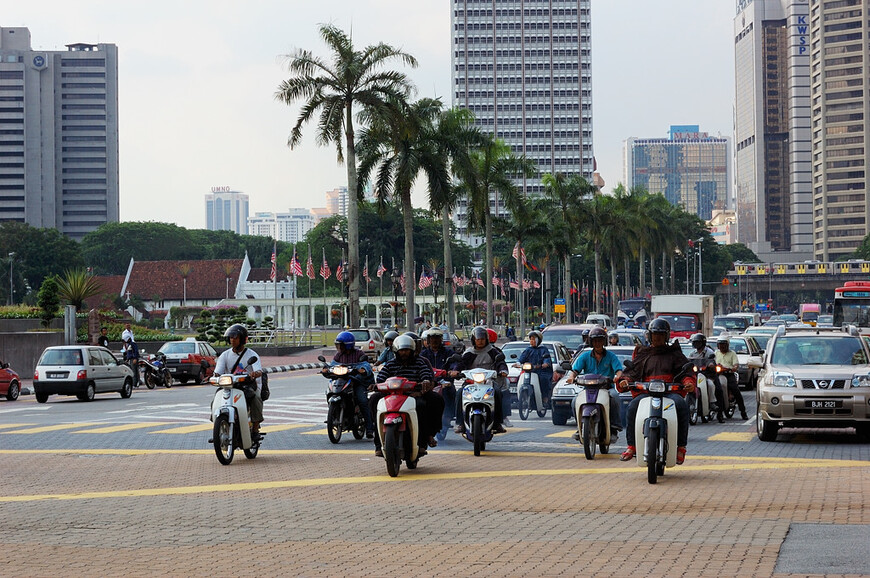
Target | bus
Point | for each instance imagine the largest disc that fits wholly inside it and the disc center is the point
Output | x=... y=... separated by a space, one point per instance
x=852 y=305
x=634 y=312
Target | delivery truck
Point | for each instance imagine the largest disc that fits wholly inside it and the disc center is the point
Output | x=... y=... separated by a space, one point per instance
x=687 y=314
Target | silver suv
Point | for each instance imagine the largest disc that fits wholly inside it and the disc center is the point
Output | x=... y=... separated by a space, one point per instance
x=82 y=371
x=814 y=377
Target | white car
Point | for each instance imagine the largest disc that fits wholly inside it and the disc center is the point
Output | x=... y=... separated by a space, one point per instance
x=82 y=371
x=512 y=350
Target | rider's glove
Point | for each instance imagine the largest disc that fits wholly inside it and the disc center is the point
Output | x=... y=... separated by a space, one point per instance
x=622 y=385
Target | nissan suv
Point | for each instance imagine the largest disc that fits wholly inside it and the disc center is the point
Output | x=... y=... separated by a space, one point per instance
x=814 y=377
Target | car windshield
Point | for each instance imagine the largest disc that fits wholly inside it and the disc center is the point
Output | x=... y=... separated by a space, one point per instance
x=61 y=357
x=739 y=346
x=179 y=347
x=762 y=339
x=815 y=350
x=681 y=322
x=731 y=323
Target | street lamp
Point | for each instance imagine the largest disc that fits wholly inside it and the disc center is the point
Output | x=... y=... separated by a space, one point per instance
x=11 y=258
x=397 y=283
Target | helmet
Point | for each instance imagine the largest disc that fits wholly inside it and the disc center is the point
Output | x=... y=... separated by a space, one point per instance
x=659 y=325
x=698 y=338
x=537 y=335
x=346 y=340
x=597 y=331
x=585 y=333
x=404 y=342
x=491 y=335
x=426 y=334
x=723 y=338
x=237 y=330
x=436 y=332
x=418 y=343
x=479 y=333
x=390 y=335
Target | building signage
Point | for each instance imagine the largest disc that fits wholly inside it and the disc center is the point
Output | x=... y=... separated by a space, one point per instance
x=221 y=189
x=802 y=31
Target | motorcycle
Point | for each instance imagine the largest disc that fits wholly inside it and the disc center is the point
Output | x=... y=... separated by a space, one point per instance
x=229 y=410
x=154 y=371
x=397 y=424
x=529 y=392
x=478 y=407
x=701 y=402
x=592 y=411
x=444 y=387
x=344 y=412
x=730 y=402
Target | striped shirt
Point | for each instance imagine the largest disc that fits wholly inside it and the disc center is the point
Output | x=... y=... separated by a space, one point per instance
x=418 y=370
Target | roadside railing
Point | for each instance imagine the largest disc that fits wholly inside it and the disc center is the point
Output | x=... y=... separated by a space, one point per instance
x=286 y=337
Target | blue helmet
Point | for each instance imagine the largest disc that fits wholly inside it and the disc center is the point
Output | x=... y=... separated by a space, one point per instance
x=346 y=340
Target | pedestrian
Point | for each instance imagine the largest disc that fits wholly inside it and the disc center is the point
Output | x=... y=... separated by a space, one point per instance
x=131 y=358
x=103 y=339
x=127 y=333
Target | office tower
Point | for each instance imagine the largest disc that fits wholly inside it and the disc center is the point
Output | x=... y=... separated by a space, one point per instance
x=290 y=227
x=839 y=32
x=58 y=134
x=336 y=201
x=772 y=165
x=226 y=210
x=523 y=68
x=690 y=168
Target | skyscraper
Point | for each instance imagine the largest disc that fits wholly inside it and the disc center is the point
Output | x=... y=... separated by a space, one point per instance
x=524 y=69
x=290 y=227
x=772 y=128
x=226 y=210
x=839 y=32
x=58 y=134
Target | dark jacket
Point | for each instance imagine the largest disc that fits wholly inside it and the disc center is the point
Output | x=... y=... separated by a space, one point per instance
x=664 y=363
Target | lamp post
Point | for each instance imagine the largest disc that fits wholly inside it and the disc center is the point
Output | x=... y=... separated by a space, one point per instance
x=11 y=258
x=396 y=280
x=700 y=270
x=435 y=286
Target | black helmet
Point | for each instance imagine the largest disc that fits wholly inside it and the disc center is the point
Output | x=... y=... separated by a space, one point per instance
x=537 y=335
x=390 y=336
x=237 y=330
x=698 y=338
x=479 y=332
x=597 y=331
x=659 y=325
x=585 y=333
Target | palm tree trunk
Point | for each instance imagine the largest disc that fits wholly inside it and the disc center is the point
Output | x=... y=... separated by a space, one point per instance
x=548 y=300
x=520 y=297
x=489 y=312
x=594 y=306
x=626 y=265
x=664 y=273
x=642 y=273
x=615 y=304
x=448 y=269
x=410 y=281
x=352 y=220
x=673 y=286
x=567 y=293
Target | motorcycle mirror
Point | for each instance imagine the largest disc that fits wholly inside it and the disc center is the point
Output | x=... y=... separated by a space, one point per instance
x=628 y=364
x=253 y=359
x=321 y=359
x=513 y=355
x=566 y=365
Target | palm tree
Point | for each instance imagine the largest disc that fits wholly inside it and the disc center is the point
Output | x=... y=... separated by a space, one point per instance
x=398 y=149
x=490 y=171
x=76 y=285
x=354 y=79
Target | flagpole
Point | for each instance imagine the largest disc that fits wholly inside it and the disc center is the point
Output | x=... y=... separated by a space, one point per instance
x=310 y=309
x=327 y=315
x=293 y=265
x=275 y=278
x=380 y=289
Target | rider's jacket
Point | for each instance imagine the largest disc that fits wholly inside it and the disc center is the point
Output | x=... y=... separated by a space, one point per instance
x=487 y=358
x=659 y=363
x=438 y=358
x=728 y=360
x=538 y=356
x=355 y=356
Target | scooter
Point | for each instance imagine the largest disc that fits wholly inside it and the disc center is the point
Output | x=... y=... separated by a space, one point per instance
x=344 y=413
x=444 y=387
x=478 y=407
x=397 y=424
x=154 y=371
x=529 y=393
x=730 y=402
x=701 y=402
x=592 y=411
x=229 y=412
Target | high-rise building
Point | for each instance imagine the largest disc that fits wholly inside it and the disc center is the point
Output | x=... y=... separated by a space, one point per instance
x=290 y=227
x=336 y=201
x=58 y=134
x=839 y=32
x=772 y=165
x=691 y=169
x=226 y=210
x=524 y=69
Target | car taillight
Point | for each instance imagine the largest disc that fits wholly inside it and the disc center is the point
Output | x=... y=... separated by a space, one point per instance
x=36 y=375
x=82 y=374
x=371 y=343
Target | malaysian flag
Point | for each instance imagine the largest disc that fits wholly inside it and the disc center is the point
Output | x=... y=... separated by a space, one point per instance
x=536 y=285
x=496 y=280
x=459 y=280
x=402 y=282
x=519 y=253
x=514 y=285
x=310 y=266
x=366 y=272
x=425 y=280
x=527 y=284
x=339 y=271
x=381 y=269
x=324 y=268
x=479 y=281
x=274 y=272
x=295 y=265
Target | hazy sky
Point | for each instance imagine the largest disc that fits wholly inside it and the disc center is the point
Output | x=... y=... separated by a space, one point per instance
x=198 y=78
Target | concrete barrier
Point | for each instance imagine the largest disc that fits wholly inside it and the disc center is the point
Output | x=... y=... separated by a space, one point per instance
x=22 y=350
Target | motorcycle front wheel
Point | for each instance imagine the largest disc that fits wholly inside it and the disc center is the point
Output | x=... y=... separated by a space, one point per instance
x=524 y=404
x=359 y=424
x=222 y=438
x=333 y=423
x=587 y=426
x=652 y=457
x=391 y=449
x=150 y=379
x=477 y=433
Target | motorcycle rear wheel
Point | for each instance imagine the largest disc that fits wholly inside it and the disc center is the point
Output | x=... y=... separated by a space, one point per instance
x=692 y=402
x=652 y=457
x=359 y=424
x=222 y=439
x=333 y=422
x=251 y=452
x=539 y=407
x=391 y=449
x=524 y=404
x=588 y=426
x=477 y=433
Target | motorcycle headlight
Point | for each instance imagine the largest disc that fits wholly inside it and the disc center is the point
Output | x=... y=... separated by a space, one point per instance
x=478 y=377
x=657 y=387
x=527 y=366
x=226 y=379
x=339 y=370
x=862 y=380
x=466 y=393
x=783 y=379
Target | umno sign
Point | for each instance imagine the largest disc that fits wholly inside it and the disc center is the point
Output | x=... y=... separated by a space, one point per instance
x=221 y=189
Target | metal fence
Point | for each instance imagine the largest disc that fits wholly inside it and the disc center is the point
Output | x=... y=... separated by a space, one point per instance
x=286 y=337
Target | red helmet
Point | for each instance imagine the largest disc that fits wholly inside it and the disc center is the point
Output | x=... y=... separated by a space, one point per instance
x=493 y=336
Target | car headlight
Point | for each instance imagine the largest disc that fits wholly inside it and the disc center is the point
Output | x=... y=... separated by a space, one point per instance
x=564 y=391
x=783 y=379
x=862 y=380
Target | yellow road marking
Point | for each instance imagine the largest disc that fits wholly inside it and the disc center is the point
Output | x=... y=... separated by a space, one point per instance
x=48 y=428
x=732 y=436
x=416 y=477
x=319 y=430
x=14 y=425
x=123 y=427
x=562 y=434
x=186 y=429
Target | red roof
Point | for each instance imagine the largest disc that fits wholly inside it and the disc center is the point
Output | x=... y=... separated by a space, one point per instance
x=159 y=280
x=110 y=287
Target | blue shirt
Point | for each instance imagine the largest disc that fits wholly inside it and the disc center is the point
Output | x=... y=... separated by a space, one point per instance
x=538 y=356
x=586 y=363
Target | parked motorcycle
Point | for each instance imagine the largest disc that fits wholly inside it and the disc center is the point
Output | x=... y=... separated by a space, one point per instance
x=229 y=412
x=592 y=411
x=344 y=412
x=397 y=424
x=478 y=407
x=529 y=392
x=154 y=371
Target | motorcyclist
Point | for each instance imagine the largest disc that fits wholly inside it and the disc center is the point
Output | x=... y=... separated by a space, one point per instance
x=236 y=360
x=542 y=364
x=348 y=354
x=131 y=358
x=482 y=354
x=440 y=358
x=596 y=359
x=387 y=354
x=658 y=361
x=703 y=352
x=502 y=383
x=613 y=339
x=430 y=405
x=728 y=360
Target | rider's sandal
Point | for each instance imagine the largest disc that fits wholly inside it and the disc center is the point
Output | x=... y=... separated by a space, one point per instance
x=681 y=455
x=432 y=442
x=628 y=454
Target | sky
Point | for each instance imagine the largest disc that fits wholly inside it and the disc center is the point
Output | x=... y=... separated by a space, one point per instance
x=197 y=83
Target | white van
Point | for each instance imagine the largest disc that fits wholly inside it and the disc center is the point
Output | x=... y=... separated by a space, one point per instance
x=600 y=319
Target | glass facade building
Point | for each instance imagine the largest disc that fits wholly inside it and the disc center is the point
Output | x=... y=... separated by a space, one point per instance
x=226 y=210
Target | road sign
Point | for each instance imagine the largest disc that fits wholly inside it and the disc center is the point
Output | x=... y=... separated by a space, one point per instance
x=725 y=281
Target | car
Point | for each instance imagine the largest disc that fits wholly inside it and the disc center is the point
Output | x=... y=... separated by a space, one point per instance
x=748 y=357
x=600 y=319
x=788 y=318
x=369 y=340
x=82 y=371
x=571 y=335
x=817 y=377
x=10 y=383
x=453 y=341
x=564 y=391
x=639 y=335
x=761 y=335
x=512 y=350
x=732 y=323
x=190 y=359
x=825 y=320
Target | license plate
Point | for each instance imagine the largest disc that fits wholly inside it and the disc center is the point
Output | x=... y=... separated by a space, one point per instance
x=55 y=375
x=176 y=370
x=824 y=403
